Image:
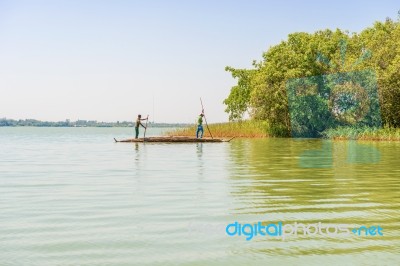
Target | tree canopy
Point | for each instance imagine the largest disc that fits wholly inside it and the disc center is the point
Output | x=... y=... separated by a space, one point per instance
x=261 y=91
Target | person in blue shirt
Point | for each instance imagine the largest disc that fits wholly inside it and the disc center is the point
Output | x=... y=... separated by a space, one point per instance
x=200 y=126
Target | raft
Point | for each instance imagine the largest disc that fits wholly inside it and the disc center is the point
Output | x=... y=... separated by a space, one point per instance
x=174 y=139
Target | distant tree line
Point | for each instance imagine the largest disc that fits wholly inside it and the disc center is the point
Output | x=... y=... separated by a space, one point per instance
x=261 y=91
x=4 y=122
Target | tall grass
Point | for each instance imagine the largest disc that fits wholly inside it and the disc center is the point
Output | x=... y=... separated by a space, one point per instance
x=366 y=133
x=261 y=129
x=244 y=129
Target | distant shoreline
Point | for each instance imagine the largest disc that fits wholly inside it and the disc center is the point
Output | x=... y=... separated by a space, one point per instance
x=80 y=123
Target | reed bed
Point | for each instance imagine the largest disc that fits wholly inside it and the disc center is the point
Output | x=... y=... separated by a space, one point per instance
x=367 y=133
x=261 y=129
x=243 y=129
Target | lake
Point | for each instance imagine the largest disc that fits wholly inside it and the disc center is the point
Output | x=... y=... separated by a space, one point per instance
x=71 y=196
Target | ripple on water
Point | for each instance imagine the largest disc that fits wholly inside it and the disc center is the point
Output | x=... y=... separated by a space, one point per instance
x=73 y=197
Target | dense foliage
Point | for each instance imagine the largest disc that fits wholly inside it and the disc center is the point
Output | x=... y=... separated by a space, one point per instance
x=262 y=90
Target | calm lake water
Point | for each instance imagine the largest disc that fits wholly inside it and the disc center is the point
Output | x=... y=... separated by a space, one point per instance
x=71 y=196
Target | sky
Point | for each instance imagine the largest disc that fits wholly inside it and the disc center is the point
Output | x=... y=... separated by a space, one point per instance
x=111 y=60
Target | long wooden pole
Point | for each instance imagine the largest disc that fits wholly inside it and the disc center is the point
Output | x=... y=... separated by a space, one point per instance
x=205 y=119
x=144 y=136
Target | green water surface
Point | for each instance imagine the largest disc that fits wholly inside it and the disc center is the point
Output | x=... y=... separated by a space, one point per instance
x=71 y=196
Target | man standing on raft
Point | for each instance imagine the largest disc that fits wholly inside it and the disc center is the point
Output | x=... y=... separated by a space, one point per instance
x=200 y=125
x=139 y=123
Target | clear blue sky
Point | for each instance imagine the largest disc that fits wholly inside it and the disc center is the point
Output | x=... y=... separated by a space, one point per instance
x=108 y=60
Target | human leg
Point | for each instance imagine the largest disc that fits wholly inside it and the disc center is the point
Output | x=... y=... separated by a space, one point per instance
x=197 y=132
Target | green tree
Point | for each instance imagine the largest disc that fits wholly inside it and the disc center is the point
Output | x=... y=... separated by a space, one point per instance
x=238 y=100
x=261 y=91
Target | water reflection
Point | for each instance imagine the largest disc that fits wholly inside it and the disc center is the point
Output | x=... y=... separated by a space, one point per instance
x=137 y=152
x=65 y=202
x=311 y=181
x=199 y=152
x=199 y=147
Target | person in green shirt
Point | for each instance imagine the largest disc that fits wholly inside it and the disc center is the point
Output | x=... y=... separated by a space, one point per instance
x=139 y=123
x=200 y=126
